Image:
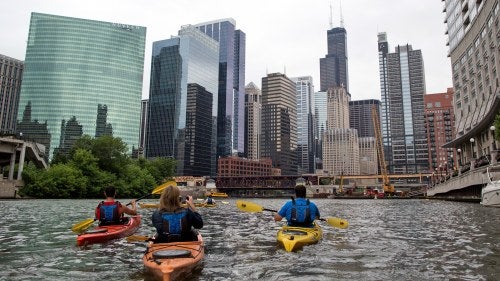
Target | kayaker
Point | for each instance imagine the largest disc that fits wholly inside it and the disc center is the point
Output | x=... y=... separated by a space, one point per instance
x=174 y=222
x=110 y=211
x=209 y=200
x=299 y=211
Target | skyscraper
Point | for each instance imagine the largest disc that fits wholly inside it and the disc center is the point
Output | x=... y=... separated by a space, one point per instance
x=340 y=142
x=360 y=116
x=320 y=120
x=474 y=40
x=183 y=102
x=403 y=124
x=253 y=116
x=305 y=124
x=439 y=125
x=74 y=68
x=333 y=67
x=231 y=91
x=279 y=122
x=11 y=74
x=144 y=123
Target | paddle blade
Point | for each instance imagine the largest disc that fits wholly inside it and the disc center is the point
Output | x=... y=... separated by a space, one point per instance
x=82 y=226
x=249 y=206
x=337 y=222
x=138 y=238
x=159 y=189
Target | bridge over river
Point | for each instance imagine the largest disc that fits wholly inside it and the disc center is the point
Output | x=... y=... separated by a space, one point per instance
x=318 y=185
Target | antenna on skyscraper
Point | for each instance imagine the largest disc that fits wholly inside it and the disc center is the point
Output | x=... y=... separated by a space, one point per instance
x=341 y=17
x=331 y=16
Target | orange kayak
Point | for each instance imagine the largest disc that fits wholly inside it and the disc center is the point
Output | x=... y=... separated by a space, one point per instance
x=174 y=260
x=105 y=233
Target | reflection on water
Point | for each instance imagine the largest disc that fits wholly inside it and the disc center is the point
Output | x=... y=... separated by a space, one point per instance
x=386 y=240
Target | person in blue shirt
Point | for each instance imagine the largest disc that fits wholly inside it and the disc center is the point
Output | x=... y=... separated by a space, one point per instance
x=299 y=211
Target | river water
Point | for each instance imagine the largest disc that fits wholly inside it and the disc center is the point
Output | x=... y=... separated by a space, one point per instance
x=386 y=240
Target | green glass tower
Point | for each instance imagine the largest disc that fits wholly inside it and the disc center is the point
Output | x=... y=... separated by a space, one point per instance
x=81 y=77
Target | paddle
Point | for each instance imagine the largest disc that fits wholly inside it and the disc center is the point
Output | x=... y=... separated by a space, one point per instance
x=83 y=225
x=253 y=208
x=139 y=238
x=158 y=190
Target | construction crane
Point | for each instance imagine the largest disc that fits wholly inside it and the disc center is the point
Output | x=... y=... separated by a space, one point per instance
x=386 y=184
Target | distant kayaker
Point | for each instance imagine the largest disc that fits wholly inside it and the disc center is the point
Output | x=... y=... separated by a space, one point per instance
x=174 y=222
x=209 y=200
x=299 y=211
x=110 y=211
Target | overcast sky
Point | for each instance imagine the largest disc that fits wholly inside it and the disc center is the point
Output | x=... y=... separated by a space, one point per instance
x=287 y=36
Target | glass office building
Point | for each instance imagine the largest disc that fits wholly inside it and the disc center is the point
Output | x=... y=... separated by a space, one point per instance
x=11 y=74
x=305 y=124
x=402 y=85
x=182 y=118
x=81 y=74
x=231 y=90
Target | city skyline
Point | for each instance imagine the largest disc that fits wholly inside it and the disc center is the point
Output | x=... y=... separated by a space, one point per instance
x=270 y=33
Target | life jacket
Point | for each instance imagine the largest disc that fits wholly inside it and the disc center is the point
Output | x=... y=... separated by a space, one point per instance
x=173 y=225
x=210 y=200
x=300 y=214
x=109 y=212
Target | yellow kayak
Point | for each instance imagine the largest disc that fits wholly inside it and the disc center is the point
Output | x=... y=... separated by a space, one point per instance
x=205 y=205
x=217 y=194
x=294 y=238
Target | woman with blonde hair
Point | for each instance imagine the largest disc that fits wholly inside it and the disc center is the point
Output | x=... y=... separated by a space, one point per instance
x=174 y=222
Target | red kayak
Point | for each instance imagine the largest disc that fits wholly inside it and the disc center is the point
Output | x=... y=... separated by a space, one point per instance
x=105 y=233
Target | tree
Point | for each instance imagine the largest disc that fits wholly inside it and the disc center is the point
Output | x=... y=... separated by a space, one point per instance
x=90 y=166
x=161 y=168
x=60 y=181
x=98 y=179
x=111 y=152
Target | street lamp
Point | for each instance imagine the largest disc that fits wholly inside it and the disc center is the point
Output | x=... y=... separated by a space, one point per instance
x=492 y=129
x=472 y=148
x=451 y=165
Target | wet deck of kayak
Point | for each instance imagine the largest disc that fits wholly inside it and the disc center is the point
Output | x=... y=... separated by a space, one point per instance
x=386 y=240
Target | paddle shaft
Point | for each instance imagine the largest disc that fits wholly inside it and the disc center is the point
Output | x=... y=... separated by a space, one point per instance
x=270 y=210
x=147 y=195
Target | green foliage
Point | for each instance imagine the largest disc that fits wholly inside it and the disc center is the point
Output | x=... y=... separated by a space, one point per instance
x=112 y=153
x=93 y=164
x=134 y=182
x=98 y=179
x=161 y=166
x=60 y=181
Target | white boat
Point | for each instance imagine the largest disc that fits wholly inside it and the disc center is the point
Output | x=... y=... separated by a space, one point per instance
x=490 y=194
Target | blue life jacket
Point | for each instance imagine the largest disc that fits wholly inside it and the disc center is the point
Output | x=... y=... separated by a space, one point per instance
x=109 y=213
x=300 y=214
x=172 y=226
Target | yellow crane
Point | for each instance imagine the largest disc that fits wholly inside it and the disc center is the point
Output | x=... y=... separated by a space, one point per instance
x=386 y=184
